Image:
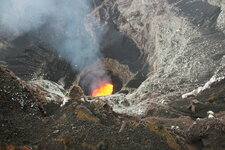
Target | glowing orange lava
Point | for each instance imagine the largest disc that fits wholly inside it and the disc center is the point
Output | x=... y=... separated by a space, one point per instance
x=104 y=89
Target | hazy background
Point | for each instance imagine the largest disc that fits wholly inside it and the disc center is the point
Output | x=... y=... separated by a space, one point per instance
x=62 y=24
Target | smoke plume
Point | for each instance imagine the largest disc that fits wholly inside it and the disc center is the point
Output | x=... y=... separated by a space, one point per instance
x=62 y=24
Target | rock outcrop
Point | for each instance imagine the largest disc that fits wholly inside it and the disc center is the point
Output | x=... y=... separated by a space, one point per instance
x=169 y=58
x=181 y=42
x=29 y=124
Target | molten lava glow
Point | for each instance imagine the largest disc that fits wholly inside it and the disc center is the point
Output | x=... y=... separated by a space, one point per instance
x=104 y=89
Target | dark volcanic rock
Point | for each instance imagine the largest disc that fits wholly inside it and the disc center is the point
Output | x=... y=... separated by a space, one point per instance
x=77 y=125
x=208 y=134
x=167 y=48
x=30 y=59
x=20 y=108
x=91 y=125
x=16 y=95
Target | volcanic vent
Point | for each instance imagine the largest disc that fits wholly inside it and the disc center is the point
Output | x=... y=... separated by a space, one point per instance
x=111 y=80
x=91 y=82
x=122 y=64
x=175 y=44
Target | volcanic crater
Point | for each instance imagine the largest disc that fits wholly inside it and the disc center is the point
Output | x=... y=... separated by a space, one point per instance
x=165 y=59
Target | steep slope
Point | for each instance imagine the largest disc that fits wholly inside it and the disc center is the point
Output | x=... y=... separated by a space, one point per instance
x=181 y=42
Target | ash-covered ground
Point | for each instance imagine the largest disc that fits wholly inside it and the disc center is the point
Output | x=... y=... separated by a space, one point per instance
x=167 y=57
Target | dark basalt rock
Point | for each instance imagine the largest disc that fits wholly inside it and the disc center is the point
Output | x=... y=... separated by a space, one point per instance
x=158 y=50
x=207 y=134
x=30 y=59
x=16 y=95
x=77 y=125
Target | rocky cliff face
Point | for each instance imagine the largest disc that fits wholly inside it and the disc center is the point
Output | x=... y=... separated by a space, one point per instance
x=169 y=58
x=182 y=41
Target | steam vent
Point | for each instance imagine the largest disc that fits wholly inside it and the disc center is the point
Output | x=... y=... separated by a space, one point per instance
x=112 y=75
